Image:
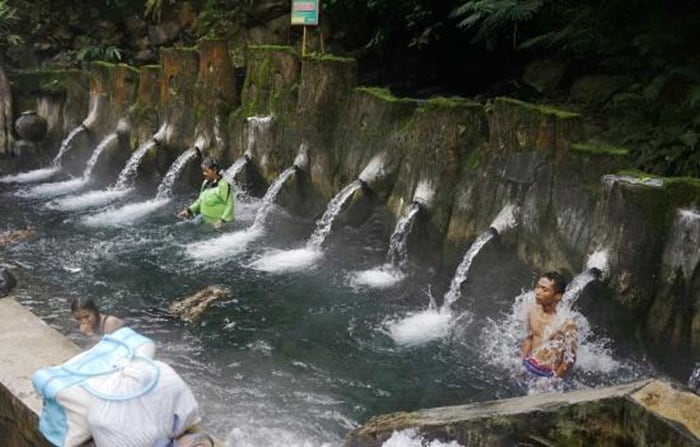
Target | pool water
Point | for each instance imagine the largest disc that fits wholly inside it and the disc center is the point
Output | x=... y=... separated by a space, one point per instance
x=288 y=358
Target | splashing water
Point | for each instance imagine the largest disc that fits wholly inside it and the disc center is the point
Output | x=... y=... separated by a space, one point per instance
x=379 y=278
x=224 y=246
x=412 y=438
x=90 y=199
x=276 y=261
x=35 y=175
x=396 y=259
x=74 y=184
x=67 y=143
x=54 y=189
x=453 y=294
x=324 y=224
x=269 y=199
x=500 y=341
x=398 y=251
x=417 y=328
x=127 y=176
x=126 y=215
x=165 y=189
x=233 y=170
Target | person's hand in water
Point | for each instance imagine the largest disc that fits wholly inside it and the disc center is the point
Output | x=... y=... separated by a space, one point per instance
x=184 y=214
x=218 y=224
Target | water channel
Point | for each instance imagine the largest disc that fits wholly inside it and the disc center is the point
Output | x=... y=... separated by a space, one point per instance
x=289 y=358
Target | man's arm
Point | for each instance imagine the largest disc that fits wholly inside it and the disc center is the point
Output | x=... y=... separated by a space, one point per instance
x=568 y=357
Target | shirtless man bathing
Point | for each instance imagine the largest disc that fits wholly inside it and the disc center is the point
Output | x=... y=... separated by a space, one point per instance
x=548 y=350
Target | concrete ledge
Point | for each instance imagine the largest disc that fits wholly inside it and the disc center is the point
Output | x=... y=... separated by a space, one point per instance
x=649 y=412
x=22 y=333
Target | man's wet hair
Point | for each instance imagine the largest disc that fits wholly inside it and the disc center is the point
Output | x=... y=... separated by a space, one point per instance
x=211 y=163
x=83 y=303
x=557 y=279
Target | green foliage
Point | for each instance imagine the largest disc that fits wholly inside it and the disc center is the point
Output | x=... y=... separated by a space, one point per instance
x=491 y=16
x=8 y=22
x=99 y=53
x=154 y=8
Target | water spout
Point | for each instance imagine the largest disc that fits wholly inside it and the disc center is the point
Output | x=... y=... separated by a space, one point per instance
x=256 y=126
x=397 y=256
x=199 y=144
x=165 y=188
x=67 y=143
x=576 y=286
x=233 y=170
x=269 y=199
x=506 y=219
x=301 y=161
x=127 y=176
x=98 y=106
x=598 y=261
x=374 y=171
x=323 y=226
x=123 y=127
x=462 y=272
x=163 y=134
x=424 y=193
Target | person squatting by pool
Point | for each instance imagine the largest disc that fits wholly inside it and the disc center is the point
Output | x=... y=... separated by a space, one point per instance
x=549 y=348
x=215 y=202
x=93 y=323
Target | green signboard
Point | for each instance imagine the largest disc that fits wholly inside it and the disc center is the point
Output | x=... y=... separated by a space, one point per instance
x=305 y=12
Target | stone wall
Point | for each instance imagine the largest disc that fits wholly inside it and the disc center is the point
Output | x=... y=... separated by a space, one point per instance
x=463 y=161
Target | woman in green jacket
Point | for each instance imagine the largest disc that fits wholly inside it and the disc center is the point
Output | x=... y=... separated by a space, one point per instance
x=215 y=201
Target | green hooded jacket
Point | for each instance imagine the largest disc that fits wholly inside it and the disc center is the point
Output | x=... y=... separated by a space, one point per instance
x=215 y=202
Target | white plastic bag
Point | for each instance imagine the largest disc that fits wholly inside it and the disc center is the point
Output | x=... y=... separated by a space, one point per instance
x=64 y=388
x=133 y=410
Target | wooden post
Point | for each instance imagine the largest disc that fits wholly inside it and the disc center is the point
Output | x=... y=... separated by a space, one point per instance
x=320 y=38
x=303 y=43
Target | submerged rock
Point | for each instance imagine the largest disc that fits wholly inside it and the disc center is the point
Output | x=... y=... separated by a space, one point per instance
x=191 y=308
x=7 y=282
x=12 y=236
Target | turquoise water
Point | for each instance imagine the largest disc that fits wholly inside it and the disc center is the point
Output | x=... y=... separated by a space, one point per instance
x=293 y=359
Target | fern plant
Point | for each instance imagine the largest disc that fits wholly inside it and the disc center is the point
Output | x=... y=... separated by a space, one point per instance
x=491 y=16
x=103 y=53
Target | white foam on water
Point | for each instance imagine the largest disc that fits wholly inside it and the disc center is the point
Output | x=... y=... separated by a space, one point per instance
x=278 y=261
x=418 y=328
x=378 y=278
x=55 y=188
x=225 y=246
x=126 y=215
x=412 y=438
x=30 y=176
x=501 y=339
x=89 y=199
x=251 y=434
